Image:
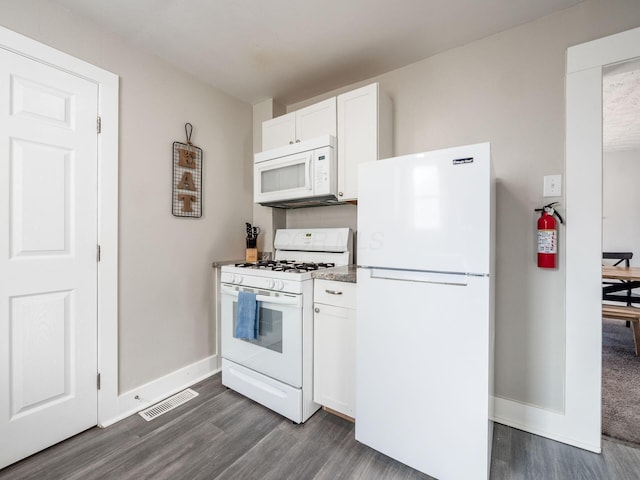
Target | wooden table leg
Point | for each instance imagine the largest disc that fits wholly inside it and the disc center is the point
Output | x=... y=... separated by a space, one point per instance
x=635 y=326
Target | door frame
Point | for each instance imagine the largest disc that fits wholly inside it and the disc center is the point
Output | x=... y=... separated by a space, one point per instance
x=584 y=231
x=107 y=281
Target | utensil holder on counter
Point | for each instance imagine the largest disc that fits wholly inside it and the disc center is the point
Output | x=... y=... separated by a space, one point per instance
x=251 y=253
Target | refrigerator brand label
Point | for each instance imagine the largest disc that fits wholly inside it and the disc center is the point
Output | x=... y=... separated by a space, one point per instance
x=459 y=161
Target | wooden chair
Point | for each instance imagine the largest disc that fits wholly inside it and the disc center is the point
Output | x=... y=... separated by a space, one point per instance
x=619 y=257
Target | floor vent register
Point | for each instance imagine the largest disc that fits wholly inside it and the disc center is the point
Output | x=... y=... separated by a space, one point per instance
x=168 y=404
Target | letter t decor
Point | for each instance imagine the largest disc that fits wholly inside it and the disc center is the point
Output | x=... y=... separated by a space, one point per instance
x=187 y=178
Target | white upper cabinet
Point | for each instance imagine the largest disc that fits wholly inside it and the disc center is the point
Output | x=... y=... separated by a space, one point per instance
x=364 y=134
x=316 y=120
x=360 y=119
x=309 y=122
x=279 y=131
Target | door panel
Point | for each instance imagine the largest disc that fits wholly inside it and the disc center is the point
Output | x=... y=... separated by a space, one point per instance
x=36 y=100
x=279 y=131
x=39 y=204
x=48 y=268
x=358 y=132
x=39 y=362
x=316 y=120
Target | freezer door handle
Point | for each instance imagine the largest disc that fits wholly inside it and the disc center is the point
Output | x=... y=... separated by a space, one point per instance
x=442 y=278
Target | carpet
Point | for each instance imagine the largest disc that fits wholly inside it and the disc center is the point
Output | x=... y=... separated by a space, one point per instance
x=620 y=383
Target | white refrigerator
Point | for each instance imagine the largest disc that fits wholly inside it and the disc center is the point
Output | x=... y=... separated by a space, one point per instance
x=424 y=353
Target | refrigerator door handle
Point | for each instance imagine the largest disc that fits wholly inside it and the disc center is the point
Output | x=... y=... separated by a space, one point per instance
x=442 y=278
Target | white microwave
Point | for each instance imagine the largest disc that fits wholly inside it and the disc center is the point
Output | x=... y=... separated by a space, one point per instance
x=299 y=175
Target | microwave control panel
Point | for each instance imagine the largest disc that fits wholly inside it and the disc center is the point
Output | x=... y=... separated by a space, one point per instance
x=323 y=171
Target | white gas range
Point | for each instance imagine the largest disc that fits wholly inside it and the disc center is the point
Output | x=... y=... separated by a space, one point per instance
x=276 y=369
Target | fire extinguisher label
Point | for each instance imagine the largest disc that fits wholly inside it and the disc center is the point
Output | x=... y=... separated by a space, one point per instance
x=546 y=241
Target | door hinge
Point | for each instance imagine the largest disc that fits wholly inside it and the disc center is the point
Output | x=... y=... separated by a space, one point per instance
x=98 y=382
x=99 y=124
x=98 y=253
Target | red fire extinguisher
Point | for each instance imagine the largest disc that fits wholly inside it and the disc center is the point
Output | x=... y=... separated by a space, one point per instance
x=548 y=236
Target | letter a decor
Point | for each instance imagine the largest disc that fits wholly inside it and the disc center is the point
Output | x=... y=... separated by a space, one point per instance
x=187 y=177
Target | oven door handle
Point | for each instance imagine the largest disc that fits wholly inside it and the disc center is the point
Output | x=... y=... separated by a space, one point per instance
x=263 y=298
x=276 y=300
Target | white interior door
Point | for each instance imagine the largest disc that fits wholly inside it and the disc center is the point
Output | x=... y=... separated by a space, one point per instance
x=48 y=268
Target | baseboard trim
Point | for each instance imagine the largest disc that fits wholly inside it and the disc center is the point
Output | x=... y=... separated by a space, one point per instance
x=163 y=387
x=536 y=420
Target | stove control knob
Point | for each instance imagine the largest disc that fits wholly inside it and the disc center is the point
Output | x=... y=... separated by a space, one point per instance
x=271 y=283
x=279 y=285
x=238 y=279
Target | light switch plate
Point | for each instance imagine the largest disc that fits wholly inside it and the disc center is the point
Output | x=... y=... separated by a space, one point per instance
x=552 y=186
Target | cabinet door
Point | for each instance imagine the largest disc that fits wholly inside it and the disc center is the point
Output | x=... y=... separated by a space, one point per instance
x=334 y=381
x=316 y=120
x=278 y=131
x=357 y=136
x=332 y=292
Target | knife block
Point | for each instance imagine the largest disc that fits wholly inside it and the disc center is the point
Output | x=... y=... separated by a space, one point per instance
x=251 y=255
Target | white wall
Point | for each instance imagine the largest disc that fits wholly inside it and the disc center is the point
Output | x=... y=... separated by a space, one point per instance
x=166 y=310
x=508 y=89
x=620 y=200
x=266 y=218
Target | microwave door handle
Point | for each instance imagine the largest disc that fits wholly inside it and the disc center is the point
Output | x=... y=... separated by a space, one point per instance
x=307 y=167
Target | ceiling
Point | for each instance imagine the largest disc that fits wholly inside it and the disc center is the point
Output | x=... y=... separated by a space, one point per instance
x=291 y=50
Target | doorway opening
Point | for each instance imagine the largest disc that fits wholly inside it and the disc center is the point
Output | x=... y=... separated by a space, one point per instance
x=583 y=173
x=621 y=246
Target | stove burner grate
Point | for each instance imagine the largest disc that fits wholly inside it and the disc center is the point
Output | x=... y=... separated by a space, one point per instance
x=286 y=265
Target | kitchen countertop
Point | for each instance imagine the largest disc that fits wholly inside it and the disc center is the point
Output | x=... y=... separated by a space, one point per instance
x=347 y=274
x=220 y=263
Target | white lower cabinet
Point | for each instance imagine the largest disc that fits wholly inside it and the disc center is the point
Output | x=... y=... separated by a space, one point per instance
x=334 y=362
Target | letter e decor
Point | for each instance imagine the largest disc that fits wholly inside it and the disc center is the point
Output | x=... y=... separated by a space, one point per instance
x=187 y=177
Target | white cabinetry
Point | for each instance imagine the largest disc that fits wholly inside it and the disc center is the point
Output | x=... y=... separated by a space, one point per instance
x=364 y=134
x=309 y=122
x=334 y=359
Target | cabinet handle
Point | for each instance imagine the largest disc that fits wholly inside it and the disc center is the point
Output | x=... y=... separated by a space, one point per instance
x=290 y=142
x=340 y=194
x=317 y=310
x=333 y=292
x=297 y=141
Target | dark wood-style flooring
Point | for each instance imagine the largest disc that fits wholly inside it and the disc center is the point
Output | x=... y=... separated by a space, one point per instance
x=222 y=435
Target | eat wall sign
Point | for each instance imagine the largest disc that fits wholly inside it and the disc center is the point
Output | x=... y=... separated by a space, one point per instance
x=187 y=178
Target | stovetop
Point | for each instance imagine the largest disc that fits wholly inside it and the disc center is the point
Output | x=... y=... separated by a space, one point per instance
x=298 y=253
x=289 y=266
x=279 y=275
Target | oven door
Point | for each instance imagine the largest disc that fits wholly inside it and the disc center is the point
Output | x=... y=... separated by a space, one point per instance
x=285 y=178
x=277 y=352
